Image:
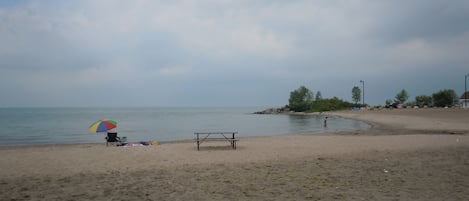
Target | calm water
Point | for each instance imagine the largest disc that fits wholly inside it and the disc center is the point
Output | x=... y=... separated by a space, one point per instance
x=26 y=126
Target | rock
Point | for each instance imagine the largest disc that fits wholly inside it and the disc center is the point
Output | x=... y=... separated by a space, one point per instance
x=274 y=111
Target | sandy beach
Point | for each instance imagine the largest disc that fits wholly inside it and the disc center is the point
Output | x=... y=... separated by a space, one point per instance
x=408 y=154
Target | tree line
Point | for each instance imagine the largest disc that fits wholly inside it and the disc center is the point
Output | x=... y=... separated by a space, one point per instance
x=442 y=98
x=303 y=100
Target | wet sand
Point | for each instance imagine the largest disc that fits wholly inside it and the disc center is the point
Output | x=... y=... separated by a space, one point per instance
x=407 y=155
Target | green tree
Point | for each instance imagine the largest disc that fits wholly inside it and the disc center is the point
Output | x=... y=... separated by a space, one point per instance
x=444 y=98
x=423 y=100
x=330 y=104
x=388 y=102
x=402 y=96
x=356 y=94
x=318 y=95
x=301 y=99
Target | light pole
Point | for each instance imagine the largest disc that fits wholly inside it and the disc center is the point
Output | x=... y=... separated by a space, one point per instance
x=363 y=89
x=465 y=90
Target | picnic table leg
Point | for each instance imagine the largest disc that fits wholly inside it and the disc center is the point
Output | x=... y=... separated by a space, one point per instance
x=233 y=142
x=198 y=142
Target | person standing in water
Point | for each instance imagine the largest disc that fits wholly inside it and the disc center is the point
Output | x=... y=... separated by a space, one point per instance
x=325 y=122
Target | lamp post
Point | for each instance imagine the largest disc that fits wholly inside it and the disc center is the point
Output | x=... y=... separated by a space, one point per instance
x=465 y=90
x=363 y=89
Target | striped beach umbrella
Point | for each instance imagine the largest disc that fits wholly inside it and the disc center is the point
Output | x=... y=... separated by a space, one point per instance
x=102 y=126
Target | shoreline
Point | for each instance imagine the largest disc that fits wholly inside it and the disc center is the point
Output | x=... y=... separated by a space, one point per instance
x=190 y=140
x=402 y=160
x=408 y=121
x=139 y=127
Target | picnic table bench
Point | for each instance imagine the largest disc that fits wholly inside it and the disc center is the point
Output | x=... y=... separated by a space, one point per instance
x=216 y=136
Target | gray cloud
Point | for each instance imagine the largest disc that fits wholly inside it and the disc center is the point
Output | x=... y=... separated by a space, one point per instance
x=244 y=52
x=430 y=20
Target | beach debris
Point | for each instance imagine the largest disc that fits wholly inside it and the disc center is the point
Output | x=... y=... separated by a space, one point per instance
x=141 y=144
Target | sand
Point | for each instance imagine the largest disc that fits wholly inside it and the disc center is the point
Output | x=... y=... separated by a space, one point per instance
x=408 y=154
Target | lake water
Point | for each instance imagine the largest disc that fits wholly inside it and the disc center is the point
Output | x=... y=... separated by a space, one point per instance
x=32 y=126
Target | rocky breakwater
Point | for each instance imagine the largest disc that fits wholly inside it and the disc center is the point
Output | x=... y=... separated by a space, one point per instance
x=282 y=110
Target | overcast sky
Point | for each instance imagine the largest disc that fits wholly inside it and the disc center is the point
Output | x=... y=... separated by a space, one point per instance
x=227 y=53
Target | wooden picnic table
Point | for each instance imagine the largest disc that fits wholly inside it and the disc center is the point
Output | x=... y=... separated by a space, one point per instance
x=216 y=136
